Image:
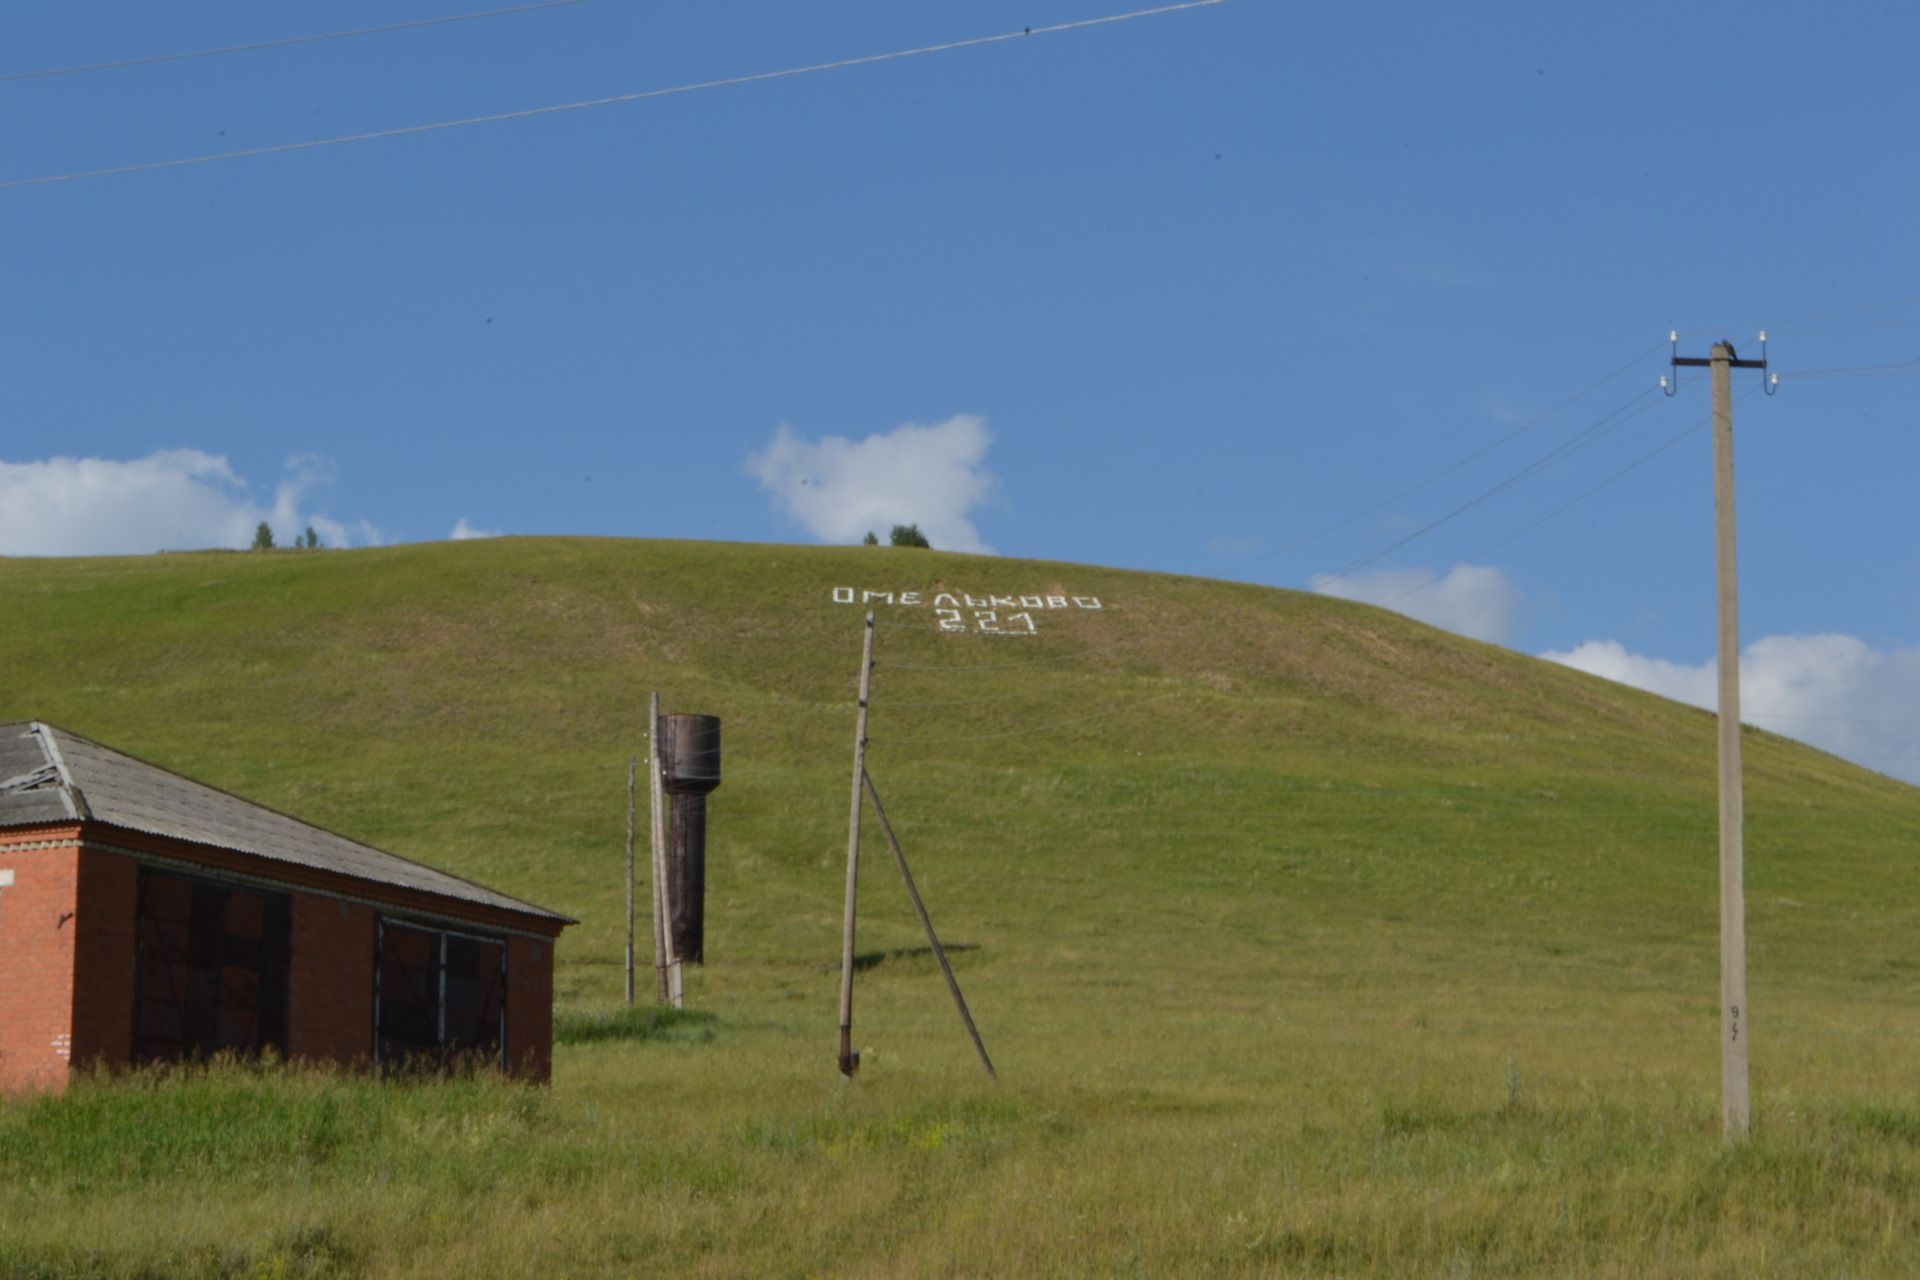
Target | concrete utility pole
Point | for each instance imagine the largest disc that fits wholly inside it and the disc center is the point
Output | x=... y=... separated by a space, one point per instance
x=849 y=1060
x=1734 y=1014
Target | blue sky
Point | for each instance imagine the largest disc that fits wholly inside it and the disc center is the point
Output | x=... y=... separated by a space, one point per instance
x=1171 y=293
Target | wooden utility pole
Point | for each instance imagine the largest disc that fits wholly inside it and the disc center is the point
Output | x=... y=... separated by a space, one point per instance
x=939 y=952
x=630 y=774
x=665 y=968
x=849 y=1060
x=1734 y=1014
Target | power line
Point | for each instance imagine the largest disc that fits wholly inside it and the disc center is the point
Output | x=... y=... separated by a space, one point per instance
x=1817 y=315
x=281 y=44
x=1842 y=371
x=1771 y=325
x=1198 y=580
x=1603 y=427
x=1444 y=472
x=1779 y=715
x=530 y=112
x=1624 y=471
x=1848 y=328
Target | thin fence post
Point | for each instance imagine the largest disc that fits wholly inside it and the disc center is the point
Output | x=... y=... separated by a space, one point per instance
x=630 y=775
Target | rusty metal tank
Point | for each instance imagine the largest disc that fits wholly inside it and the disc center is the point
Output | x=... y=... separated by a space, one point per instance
x=689 y=771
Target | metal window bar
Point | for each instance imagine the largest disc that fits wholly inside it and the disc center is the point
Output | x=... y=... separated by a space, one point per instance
x=432 y=995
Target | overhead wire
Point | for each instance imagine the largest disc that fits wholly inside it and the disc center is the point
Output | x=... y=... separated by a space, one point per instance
x=1903 y=367
x=1854 y=370
x=1446 y=471
x=1781 y=715
x=1847 y=328
x=1618 y=475
x=1816 y=315
x=281 y=44
x=1611 y=422
x=1775 y=326
x=612 y=99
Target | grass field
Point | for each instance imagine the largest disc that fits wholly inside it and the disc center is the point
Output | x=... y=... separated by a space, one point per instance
x=1307 y=940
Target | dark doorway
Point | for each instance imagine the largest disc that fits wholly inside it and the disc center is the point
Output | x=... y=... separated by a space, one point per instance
x=210 y=969
x=440 y=999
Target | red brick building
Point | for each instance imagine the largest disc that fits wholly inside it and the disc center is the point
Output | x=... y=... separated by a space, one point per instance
x=146 y=917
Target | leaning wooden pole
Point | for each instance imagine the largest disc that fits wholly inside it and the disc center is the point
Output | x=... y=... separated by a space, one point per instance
x=939 y=952
x=657 y=834
x=849 y=1060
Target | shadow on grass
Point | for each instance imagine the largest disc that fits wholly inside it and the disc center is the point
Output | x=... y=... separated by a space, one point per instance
x=633 y=1022
x=874 y=959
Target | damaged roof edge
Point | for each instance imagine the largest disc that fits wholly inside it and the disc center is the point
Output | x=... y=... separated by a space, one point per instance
x=76 y=798
x=163 y=802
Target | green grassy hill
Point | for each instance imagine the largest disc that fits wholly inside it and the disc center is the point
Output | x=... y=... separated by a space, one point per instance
x=1306 y=938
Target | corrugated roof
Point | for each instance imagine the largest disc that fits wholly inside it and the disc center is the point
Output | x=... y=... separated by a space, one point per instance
x=50 y=775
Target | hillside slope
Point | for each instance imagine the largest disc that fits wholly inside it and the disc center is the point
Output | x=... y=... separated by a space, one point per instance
x=1204 y=849
x=1188 y=755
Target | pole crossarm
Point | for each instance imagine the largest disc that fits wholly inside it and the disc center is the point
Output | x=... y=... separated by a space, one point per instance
x=1729 y=360
x=1706 y=362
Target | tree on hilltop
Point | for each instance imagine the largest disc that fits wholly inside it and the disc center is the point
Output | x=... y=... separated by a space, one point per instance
x=909 y=535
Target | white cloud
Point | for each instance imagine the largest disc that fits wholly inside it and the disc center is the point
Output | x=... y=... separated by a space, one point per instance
x=1610 y=660
x=1473 y=600
x=464 y=531
x=173 y=499
x=839 y=490
x=1834 y=692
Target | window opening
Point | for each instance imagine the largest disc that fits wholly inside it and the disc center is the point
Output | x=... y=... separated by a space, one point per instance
x=210 y=969
x=439 y=999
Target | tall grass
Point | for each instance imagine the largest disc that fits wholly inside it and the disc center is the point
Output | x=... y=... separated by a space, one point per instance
x=635 y=1165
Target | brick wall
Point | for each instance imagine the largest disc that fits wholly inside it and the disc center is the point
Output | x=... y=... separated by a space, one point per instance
x=330 y=981
x=36 y=962
x=67 y=961
x=530 y=1007
x=108 y=908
